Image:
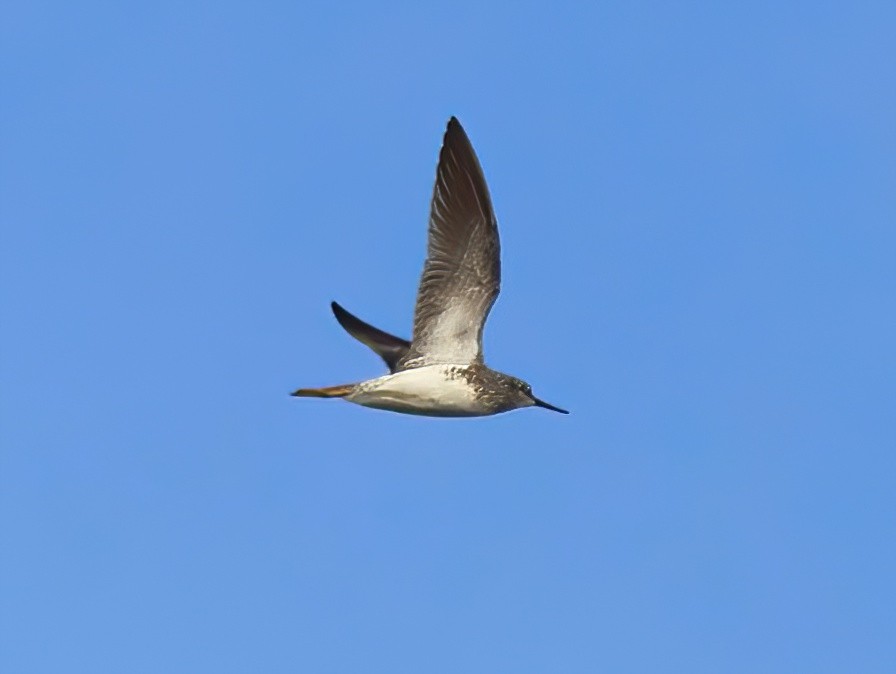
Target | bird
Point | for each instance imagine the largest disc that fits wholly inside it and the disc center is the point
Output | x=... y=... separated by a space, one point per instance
x=441 y=371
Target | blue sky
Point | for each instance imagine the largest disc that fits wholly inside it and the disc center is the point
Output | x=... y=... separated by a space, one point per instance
x=697 y=212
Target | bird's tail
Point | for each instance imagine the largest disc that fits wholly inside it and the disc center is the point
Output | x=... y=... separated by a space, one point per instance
x=325 y=392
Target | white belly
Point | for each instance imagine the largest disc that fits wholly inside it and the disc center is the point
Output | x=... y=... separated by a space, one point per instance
x=429 y=390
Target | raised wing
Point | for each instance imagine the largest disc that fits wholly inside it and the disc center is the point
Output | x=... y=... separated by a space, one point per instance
x=388 y=347
x=462 y=274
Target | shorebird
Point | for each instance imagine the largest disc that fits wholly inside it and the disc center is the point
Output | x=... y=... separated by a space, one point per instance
x=441 y=371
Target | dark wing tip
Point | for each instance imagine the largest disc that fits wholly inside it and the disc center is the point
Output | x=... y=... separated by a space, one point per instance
x=457 y=158
x=455 y=130
x=345 y=319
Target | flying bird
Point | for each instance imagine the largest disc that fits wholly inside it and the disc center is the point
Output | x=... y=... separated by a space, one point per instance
x=441 y=371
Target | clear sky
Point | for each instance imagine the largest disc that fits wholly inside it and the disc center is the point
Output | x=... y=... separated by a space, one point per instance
x=697 y=204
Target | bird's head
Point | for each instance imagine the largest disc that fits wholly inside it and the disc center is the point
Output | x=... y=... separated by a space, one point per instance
x=525 y=398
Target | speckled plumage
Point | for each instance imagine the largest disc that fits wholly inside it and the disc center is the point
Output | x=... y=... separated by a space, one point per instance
x=441 y=371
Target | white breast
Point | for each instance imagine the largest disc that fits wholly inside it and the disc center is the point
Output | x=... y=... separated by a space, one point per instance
x=435 y=390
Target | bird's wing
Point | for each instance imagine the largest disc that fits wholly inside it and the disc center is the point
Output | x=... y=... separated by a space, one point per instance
x=462 y=274
x=389 y=347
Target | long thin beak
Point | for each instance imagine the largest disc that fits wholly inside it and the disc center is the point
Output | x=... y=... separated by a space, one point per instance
x=548 y=406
